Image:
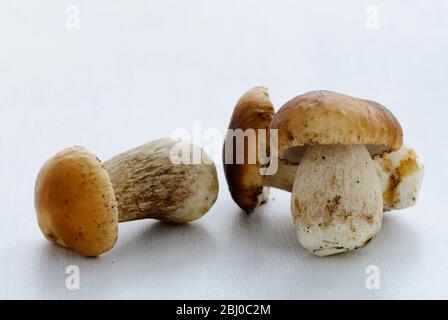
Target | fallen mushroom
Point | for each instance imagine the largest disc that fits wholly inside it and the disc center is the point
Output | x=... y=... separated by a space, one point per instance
x=247 y=186
x=79 y=200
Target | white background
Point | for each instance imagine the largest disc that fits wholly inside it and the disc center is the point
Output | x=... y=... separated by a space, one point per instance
x=137 y=70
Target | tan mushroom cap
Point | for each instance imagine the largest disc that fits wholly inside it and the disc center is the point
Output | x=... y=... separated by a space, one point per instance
x=326 y=118
x=254 y=110
x=75 y=202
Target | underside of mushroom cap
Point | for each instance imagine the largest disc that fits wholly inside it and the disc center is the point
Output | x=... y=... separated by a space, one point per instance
x=75 y=202
x=325 y=118
x=254 y=111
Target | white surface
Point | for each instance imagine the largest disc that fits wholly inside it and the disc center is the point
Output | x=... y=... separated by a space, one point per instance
x=137 y=70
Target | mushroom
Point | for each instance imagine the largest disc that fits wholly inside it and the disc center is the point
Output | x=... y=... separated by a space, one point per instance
x=247 y=185
x=79 y=200
x=341 y=157
x=337 y=201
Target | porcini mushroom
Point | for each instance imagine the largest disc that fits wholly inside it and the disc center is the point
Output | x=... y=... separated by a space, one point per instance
x=79 y=200
x=247 y=186
x=337 y=201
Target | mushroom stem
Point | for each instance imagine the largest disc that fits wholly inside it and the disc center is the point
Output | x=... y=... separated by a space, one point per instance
x=336 y=200
x=147 y=184
x=284 y=177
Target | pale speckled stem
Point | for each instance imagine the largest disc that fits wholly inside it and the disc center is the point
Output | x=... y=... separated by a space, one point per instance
x=284 y=177
x=148 y=185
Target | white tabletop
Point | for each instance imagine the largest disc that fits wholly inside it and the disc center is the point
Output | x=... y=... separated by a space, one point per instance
x=129 y=72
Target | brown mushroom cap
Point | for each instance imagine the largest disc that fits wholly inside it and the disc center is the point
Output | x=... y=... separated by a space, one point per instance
x=325 y=117
x=254 y=110
x=75 y=202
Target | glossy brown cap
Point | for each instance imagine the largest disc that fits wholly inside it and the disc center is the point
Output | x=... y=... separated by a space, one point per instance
x=325 y=117
x=254 y=110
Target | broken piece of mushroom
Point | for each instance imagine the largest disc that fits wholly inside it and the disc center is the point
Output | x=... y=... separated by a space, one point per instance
x=79 y=200
x=401 y=175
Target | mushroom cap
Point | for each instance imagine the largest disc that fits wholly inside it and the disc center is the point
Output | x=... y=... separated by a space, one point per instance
x=75 y=202
x=325 y=118
x=254 y=110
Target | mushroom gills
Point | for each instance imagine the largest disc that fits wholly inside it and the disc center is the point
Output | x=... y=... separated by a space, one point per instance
x=336 y=201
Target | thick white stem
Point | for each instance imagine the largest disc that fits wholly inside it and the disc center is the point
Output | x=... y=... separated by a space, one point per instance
x=336 y=201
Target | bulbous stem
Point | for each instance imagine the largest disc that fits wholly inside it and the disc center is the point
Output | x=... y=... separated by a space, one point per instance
x=336 y=200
